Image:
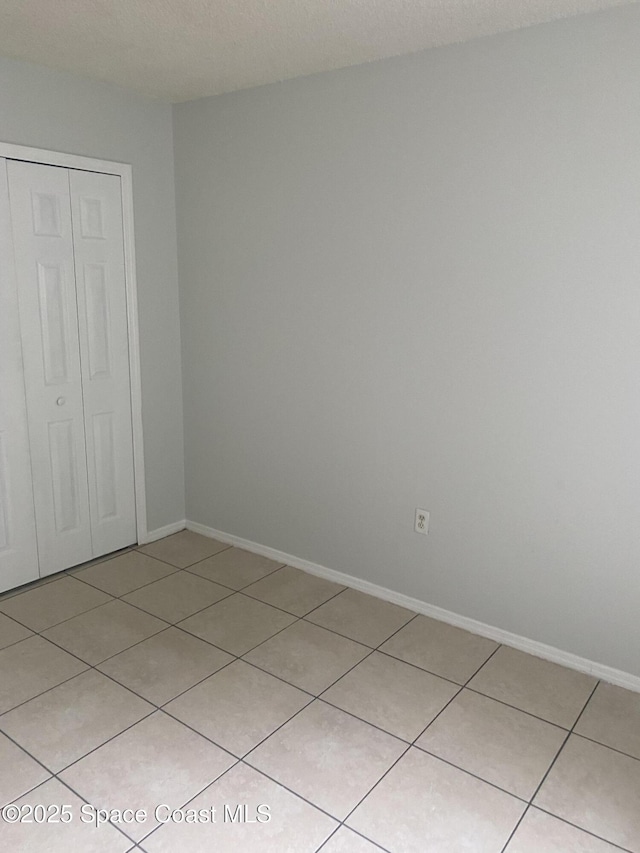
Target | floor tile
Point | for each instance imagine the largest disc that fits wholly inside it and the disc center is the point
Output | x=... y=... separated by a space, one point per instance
x=238 y=706
x=361 y=617
x=11 y=632
x=157 y=761
x=612 y=717
x=52 y=603
x=175 y=597
x=328 y=757
x=125 y=573
x=237 y=677
x=425 y=804
x=542 y=833
x=18 y=772
x=347 y=841
x=501 y=745
x=235 y=568
x=238 y=623
x=397 y=697
x=31 y=666
x=164 y=665
x=67 y=722
x=294 y=826
x=545 y=689
x=105 y=631
x=183 y=549
x=294 y=591
x=596 y=789
x=440 y=648
x=75 y=835
x=308 y=656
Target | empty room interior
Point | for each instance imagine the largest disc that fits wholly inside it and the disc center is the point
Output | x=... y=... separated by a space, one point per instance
x=320 y=426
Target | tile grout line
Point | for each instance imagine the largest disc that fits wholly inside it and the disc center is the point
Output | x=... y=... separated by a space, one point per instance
x=355 y=832
x=268 y=574
x=549 y=769
x=43 y=692
x=84 y=799
x=606 y=746
x=15 y=642
x=469 y=772
x=586 y=831
x=129 y=591
x=442 y=710
x=477 y=692
x=181 y=568
x=298 y=616
x=37 y=760
x=12 y=619
x=186 y=803
x=381 y=651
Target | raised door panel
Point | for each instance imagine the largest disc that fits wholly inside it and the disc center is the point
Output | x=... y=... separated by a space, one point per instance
x=96 y=207
x=43 y=242
x=18 y=548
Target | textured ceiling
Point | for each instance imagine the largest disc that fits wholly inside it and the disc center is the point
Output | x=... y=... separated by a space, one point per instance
x=184 y=49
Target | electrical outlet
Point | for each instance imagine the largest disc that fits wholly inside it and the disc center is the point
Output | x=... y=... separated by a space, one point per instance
x=422 y=522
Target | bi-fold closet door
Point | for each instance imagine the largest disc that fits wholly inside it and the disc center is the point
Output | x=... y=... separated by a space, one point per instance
x=69 y=286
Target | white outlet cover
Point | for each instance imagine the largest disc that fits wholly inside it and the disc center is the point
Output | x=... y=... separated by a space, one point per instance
x=422 y=522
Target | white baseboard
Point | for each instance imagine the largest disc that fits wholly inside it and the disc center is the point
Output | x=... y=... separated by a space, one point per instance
x=533 y=647
x=161 y=532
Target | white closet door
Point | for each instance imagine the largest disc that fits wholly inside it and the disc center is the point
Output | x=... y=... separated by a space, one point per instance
x=41 y=219
x=18 y=550
x=96 y=210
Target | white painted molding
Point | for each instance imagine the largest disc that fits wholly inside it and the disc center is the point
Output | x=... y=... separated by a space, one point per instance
x=161 y=532
x=524 y=644
x=60 y=158
x=135 y=376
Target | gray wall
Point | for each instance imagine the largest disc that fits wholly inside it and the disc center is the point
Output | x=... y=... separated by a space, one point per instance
x=48 y=109
x=417 y=283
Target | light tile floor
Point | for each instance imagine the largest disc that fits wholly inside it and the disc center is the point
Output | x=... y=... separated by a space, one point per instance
x=191 y=676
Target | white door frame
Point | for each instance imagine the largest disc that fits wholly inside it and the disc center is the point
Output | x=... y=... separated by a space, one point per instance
x=124 y=172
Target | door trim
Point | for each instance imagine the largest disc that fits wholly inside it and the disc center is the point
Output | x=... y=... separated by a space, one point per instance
x=124 y=172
